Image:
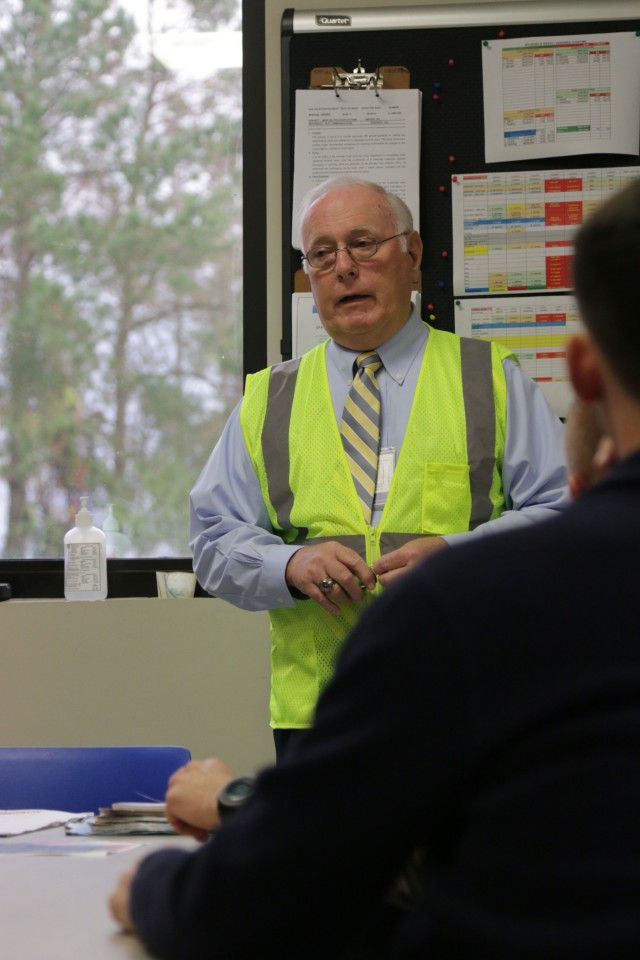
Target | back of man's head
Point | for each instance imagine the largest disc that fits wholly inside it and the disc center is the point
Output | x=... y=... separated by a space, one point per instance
x=605 y=271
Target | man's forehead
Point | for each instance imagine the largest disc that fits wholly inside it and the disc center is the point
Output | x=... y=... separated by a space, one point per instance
x=339 y=213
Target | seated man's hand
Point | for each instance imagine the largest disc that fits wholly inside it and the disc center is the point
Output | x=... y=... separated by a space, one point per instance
x=192 y=796
x=393 y=564
x=119 y=901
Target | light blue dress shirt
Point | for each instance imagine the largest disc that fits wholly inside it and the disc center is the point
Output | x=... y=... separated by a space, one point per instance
x=238 y=558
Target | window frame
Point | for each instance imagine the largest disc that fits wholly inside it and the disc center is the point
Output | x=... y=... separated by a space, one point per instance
x=136 y=577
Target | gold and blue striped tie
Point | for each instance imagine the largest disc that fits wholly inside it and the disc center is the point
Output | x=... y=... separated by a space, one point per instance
x=360 y=428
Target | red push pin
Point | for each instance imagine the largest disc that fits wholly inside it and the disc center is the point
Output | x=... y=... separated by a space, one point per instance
x=452 y=159
x=452 y=62
x=501 y=34
x=442 y=188
x=454 y=179
x=445 y=253
x=436 y=96
x=430 y=306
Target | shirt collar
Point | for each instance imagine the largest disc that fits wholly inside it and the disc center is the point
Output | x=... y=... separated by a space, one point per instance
x=397 y=354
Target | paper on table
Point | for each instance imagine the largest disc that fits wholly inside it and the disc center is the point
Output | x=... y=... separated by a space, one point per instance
x=66 y=848
x=15 y=822
x=124 y=818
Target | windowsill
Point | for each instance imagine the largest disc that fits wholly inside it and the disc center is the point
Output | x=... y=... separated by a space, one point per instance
x=44 y=579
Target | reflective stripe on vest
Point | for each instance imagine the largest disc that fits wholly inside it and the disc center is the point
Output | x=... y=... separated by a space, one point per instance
x=275 y=439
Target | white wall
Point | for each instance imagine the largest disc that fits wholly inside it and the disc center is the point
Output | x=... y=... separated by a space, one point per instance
x=192 y=672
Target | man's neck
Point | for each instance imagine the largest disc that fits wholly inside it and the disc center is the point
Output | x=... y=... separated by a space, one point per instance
x=623 y=413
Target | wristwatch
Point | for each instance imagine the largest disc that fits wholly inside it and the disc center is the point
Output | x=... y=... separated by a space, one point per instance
x=234 y=794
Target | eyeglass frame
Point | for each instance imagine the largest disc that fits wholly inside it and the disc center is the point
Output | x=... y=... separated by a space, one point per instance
x=347 y=247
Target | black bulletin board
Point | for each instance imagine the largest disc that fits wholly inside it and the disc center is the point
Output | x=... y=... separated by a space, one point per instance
x=453 y=124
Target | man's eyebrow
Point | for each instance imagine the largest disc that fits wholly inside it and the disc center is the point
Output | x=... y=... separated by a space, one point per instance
x=351 y=234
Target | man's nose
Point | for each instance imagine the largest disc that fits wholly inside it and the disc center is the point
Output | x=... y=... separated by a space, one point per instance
x=345 y=264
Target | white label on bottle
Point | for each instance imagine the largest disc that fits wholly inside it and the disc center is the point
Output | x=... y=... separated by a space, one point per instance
x=83 y=567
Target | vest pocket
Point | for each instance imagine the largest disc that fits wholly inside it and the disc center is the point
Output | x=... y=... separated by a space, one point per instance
x=446 y=498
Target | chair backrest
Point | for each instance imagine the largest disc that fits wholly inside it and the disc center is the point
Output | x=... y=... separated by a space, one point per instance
x=80 y=779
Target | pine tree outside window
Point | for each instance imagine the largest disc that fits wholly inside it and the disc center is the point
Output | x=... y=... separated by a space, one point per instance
x=121 y=264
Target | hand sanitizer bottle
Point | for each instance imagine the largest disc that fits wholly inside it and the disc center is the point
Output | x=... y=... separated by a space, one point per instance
x=85 y=559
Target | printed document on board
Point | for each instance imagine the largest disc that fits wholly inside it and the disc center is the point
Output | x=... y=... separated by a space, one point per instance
x=535 y=329
x=558 y=96
x=361 y=133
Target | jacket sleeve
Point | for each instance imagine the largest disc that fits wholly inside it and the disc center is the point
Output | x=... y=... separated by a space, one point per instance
x=304 y=866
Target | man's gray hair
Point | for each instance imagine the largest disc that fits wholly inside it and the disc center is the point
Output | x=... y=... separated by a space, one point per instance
x=399 y=210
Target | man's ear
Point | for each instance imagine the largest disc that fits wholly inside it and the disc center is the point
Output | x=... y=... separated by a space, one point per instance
x=414 y=249
x=585 y=369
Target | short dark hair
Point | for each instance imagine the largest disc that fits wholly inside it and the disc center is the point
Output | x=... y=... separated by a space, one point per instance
x=606 y=276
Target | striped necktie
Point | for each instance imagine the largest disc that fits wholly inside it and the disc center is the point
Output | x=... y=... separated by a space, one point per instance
x=360 y=428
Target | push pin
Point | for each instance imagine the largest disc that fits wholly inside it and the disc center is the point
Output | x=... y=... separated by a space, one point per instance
x=441 y=284
x=442 y=188
x=501 y=34
x=452 y=62
x=436 y=96
x=454 y=179
x=445 y=253
x=452 y=159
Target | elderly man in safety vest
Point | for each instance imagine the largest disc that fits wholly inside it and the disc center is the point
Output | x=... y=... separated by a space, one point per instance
x=342 y=469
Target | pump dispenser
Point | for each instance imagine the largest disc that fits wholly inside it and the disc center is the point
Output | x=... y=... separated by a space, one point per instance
x=85 y=559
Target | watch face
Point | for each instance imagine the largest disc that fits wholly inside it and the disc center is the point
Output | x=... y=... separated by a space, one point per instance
x=239 y=789
x=234 y=794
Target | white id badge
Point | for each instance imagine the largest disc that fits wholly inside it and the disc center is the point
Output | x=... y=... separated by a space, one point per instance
x=386 y=466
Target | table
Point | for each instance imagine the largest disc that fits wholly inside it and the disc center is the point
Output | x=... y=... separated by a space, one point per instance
x=55 y=907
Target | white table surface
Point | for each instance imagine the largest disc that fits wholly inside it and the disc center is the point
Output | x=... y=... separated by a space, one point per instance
x=55 y=907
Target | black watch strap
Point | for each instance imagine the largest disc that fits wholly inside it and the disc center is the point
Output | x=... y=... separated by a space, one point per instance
x=234 y=794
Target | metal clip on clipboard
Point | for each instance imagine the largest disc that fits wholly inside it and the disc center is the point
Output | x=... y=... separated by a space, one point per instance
x=358 y=79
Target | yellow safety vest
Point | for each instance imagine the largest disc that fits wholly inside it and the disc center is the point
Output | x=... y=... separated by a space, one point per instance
x=447 y=480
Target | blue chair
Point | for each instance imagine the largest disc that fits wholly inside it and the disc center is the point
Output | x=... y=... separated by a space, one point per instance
x=80 y=779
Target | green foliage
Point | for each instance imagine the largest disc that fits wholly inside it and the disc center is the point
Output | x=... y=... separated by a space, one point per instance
x=120 y=285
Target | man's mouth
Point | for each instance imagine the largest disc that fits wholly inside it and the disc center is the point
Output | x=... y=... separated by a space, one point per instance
x=353 y=298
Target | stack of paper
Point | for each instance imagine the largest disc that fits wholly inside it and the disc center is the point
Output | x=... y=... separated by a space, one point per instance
x=124 y=818
x=15 y=822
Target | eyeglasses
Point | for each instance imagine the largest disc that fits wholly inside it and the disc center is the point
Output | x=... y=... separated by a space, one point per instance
x=364 y=248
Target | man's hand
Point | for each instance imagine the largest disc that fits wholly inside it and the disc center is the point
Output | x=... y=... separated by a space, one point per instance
x=310 y=565
x=392 y=565
x=192 y=796
x=120 y=898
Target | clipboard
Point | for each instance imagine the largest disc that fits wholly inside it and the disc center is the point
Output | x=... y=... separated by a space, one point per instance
x=336 y=79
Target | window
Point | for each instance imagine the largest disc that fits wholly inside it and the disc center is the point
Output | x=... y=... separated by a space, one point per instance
x=121 y=266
